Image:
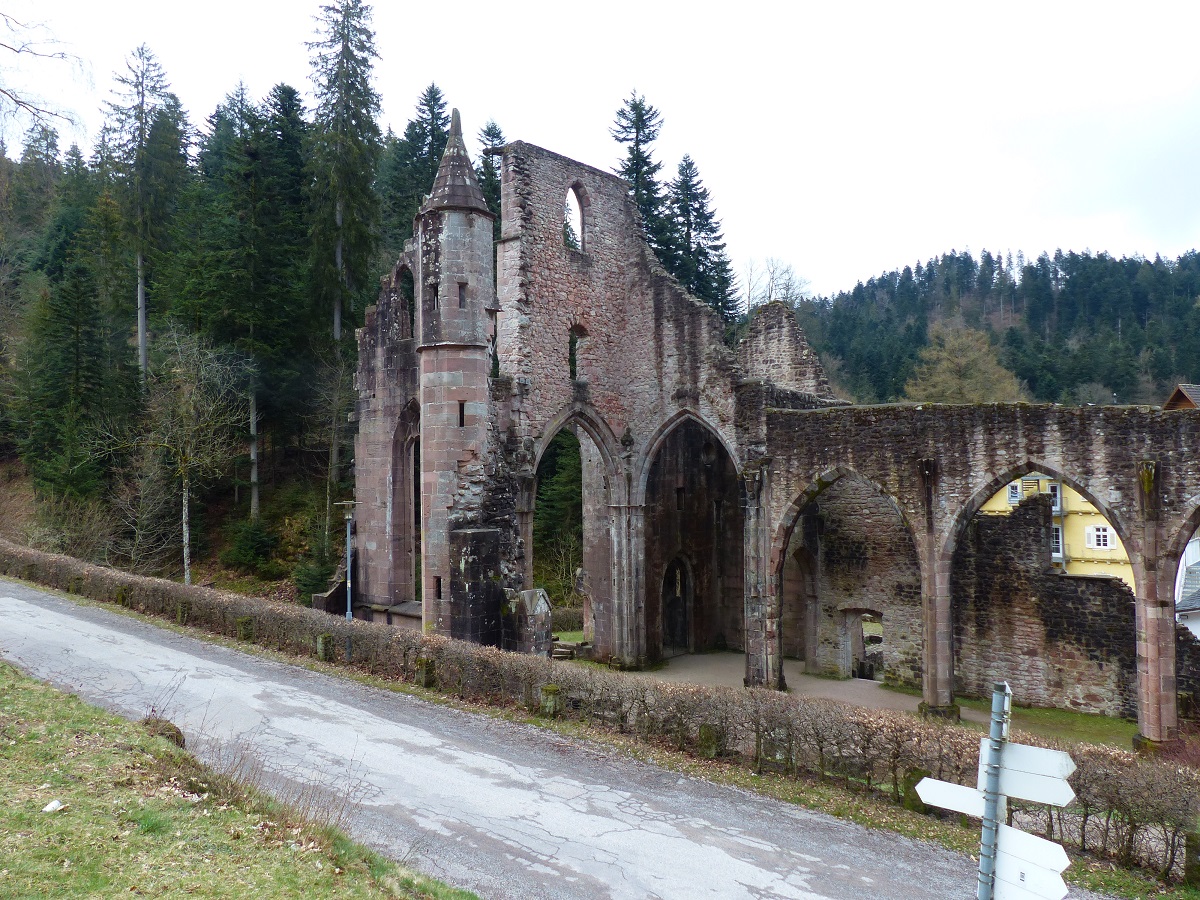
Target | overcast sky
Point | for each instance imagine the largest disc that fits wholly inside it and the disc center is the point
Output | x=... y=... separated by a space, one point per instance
x=843 y=138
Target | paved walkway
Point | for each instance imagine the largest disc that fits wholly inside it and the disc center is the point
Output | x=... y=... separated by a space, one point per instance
x=504 y=809
x=729 y=669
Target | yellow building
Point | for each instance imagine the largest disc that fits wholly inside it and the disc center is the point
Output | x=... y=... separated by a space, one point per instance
x=1082 y=540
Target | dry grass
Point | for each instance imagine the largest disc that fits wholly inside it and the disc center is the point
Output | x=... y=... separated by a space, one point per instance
x=17 y=505
x=142 y=817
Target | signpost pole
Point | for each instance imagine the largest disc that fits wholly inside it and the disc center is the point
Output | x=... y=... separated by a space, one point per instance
x=997 y=736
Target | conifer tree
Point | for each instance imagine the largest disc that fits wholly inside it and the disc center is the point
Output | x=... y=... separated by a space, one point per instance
x=637 y=126
x=410 y=166
x=345 y=149
x=487 y=170
x=61 y=386
x=701 y=264
x=133 y=111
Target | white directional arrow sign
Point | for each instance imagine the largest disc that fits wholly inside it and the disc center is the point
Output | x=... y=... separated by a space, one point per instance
x=1031 y=773
x=1028 y=866
x=957 y=797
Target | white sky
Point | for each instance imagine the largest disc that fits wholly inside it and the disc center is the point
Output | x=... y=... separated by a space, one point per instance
x=843 y=138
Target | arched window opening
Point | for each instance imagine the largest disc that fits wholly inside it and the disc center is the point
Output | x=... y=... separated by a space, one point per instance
x=408 y=298
x=558 y=521
x=573 y=233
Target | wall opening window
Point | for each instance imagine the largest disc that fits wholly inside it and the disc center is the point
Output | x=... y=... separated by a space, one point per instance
x=1014 y=493
x=1056 y=541
x=462 y=295
x=462 y=414
x=433 y=294
x=573 y=221
x=575 y=341
x=1054 y=489
x=437 y=586
x=407 y=295
x=1098 y=537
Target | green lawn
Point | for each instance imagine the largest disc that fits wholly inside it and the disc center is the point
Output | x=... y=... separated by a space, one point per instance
x=1065 y=725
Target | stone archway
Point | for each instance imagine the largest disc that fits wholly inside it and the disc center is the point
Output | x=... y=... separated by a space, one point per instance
x=850 y=553
x=693 y=526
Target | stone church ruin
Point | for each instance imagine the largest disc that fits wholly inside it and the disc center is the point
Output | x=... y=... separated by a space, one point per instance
x=729 y=499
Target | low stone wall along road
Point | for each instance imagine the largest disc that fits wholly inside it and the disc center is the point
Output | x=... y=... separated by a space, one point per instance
x=505 y=810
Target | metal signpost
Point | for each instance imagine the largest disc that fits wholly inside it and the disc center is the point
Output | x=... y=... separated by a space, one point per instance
x=1013 y=865
x=349 y=513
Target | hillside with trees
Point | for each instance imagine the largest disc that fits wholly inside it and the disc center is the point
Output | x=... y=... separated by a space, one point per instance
x=178 y=301
x=1072 y=327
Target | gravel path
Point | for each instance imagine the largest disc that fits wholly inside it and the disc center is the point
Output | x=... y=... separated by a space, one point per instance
x=503 y=809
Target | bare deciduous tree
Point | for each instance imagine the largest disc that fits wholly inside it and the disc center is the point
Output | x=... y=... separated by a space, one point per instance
x=773 y=280
x=195 y=407
x=26 y=41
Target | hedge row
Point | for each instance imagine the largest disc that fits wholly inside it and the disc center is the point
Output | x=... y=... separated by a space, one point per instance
x=1135 y=809
x=566 y=618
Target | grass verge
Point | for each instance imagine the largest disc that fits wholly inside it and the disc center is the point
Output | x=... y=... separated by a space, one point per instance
x=1056 y=724
x=141 y=816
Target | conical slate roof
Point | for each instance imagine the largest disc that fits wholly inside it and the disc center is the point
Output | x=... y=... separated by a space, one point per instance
x=456 y=186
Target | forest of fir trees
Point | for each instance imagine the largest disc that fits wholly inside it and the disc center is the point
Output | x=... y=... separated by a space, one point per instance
x=179 y=303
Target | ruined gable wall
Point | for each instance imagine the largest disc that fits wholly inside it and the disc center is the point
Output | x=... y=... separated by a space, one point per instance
x=1060 y=640
x=649 y=349
x=386 y=381
x=775 y=349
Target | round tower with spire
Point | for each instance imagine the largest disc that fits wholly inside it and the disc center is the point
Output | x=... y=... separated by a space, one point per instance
x=456 y=307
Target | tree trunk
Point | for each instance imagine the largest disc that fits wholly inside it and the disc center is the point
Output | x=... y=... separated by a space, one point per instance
x=187 y=533
x=253 y=452
x=332 y=479
x=337 y=258
x=143 y=358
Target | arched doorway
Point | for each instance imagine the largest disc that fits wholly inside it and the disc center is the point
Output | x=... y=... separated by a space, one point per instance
x=676 y=609
x=567 y=528
x=694 y=592
x=850 y=561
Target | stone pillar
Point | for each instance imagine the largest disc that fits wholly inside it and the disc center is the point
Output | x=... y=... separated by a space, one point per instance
x=764 y=652
x=1157 y=713
x=597 y=542
x=938 y=631
x=628 y=638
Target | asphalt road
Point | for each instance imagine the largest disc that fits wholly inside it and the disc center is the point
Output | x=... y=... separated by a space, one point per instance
x=505 y=810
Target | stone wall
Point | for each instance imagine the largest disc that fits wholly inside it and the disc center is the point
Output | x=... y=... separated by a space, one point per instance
x=853 y=554
x=775 y=349
x=1187 y=672
x=1059 y=640
x=388 y=420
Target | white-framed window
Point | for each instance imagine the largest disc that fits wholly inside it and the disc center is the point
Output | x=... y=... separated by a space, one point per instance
x=1098 y=537
x=1014 y=493
x=1054 y=489
x=1056 y=543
